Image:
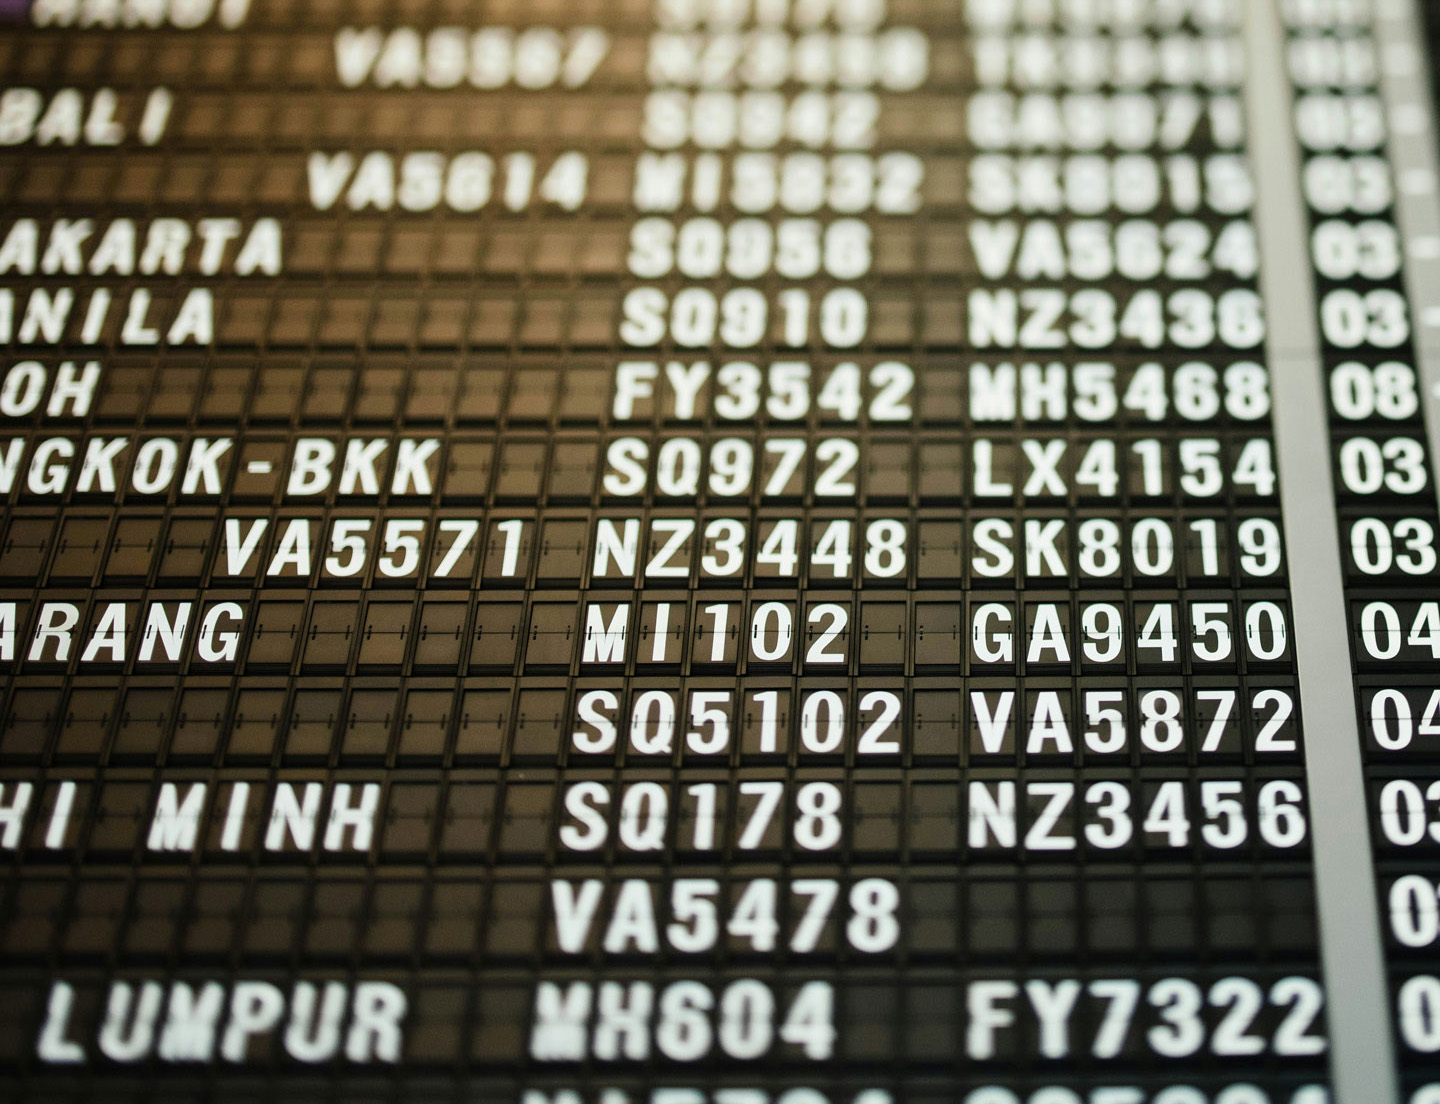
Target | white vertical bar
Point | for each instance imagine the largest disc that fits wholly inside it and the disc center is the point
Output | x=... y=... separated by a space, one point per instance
x=1362 y=1054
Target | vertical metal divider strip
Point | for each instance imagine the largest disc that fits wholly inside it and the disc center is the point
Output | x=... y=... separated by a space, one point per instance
x=1362 y=1054
x=1410 y=117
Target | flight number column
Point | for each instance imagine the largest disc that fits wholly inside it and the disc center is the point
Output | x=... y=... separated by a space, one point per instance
x=719 y=726
x=1128 y=604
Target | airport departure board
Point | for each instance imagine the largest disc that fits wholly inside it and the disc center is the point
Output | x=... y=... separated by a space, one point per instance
x=719 y=552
